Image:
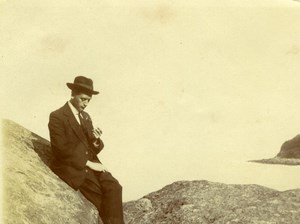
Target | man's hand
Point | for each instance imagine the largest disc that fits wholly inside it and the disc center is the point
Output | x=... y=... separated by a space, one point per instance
x=96 y=166
x=97 y=132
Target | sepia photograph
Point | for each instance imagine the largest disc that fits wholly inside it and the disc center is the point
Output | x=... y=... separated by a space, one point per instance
x=150 y=112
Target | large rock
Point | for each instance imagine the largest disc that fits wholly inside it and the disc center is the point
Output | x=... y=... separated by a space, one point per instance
x=32 y=193
x=290 y=148
x=289 y=154
x=203 y=202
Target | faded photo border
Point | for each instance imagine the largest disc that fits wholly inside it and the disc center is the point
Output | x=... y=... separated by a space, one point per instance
x=197 y=83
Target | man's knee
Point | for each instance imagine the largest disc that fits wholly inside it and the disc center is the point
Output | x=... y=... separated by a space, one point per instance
x=117 y=187
x=114 y=188
x=110 y=183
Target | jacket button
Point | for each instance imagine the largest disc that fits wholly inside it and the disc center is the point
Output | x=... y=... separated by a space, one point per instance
x=86 y=152
x=86 y=171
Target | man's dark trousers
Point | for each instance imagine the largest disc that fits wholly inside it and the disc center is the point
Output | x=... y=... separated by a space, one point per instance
x=105 y=192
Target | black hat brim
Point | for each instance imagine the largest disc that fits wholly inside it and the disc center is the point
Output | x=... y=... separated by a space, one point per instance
x=80 y=87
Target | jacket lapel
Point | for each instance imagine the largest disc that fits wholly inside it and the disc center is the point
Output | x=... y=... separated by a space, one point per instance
x=74 y=124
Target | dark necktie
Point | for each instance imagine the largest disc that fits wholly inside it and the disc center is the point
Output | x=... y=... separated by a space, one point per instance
x=84 y=129
x=83 y=124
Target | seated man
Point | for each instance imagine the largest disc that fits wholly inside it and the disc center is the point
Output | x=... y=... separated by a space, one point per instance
x=75 y=145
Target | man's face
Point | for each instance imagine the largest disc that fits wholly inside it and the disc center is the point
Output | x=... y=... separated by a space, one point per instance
x=80 y=101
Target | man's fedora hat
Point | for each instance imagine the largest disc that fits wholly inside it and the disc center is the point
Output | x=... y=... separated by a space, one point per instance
x=84 y=84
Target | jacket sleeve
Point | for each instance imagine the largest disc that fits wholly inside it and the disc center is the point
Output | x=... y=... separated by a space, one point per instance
x=64 y=148
x=93 y=139
x=99 y=147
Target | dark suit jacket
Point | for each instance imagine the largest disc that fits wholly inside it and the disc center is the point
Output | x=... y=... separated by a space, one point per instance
x=71 y=147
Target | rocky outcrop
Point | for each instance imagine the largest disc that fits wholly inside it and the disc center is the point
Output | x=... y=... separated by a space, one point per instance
x=203 y=202
x=32 y=193
x=289 y=154
x=290 y=149
x=279 y=160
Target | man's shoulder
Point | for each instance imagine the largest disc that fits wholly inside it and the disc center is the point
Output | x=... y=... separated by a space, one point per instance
x=60 y=111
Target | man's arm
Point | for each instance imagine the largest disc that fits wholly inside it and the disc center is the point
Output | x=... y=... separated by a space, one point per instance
x=59 y=141
x=96 y=133
x=62 y=146
x=97 y=141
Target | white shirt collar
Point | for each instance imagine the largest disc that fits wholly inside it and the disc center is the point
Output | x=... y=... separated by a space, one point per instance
x=74 y=111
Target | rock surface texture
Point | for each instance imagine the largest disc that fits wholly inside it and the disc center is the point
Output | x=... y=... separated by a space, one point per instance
x=34 y=195
x=203 y=202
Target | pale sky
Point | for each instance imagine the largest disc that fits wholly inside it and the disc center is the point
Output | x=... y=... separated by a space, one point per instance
x=187 y=90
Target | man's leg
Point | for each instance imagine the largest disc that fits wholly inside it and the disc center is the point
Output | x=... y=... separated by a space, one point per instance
x=105 y=192
x=93 y=193
x=111 y=198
